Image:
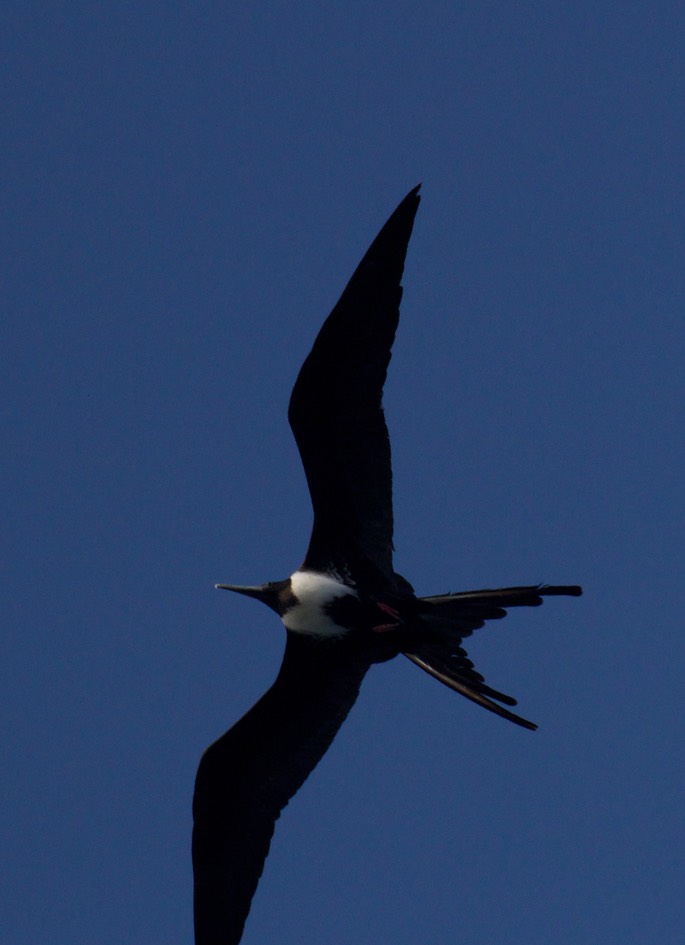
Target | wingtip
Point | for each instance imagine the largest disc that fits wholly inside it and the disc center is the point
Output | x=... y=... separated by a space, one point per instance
x=413 y=194
x=561 y=590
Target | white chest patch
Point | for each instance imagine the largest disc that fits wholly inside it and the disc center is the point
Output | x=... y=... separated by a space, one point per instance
x=314 y=591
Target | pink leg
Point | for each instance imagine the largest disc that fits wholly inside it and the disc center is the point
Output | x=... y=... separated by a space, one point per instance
x=385 y=627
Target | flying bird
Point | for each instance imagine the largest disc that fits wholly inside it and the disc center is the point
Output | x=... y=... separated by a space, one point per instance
x=344 y=608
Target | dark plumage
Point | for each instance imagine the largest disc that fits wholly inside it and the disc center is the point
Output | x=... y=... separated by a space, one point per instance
x=344 y=609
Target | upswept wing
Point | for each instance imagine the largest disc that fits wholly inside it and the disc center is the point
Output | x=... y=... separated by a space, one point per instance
x=336 y=413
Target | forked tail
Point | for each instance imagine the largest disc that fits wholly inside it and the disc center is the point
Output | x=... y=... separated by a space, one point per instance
x=445 y=619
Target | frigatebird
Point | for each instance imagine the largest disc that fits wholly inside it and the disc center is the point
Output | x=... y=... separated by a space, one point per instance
x=345 y=607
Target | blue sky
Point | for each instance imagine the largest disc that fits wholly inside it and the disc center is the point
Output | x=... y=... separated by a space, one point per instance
x=186 y=190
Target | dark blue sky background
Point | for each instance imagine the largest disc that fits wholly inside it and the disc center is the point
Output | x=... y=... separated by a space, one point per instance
x=186 y=190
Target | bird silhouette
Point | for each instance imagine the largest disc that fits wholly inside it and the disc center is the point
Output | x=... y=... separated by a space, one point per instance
x=344 y=609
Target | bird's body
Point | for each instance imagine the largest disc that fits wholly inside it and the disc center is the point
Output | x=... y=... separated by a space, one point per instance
x=316 y=598
x=344 y=608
